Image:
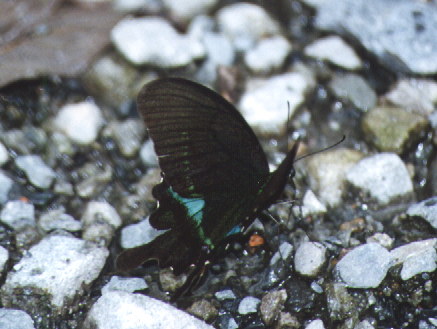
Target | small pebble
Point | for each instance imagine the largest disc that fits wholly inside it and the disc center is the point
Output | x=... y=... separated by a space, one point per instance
x=148 y=155
x=57 y=270
x=271 y=305
x=245 y=24
x=81 y=122
x=132 y=6
x=416 y=257
x=315 y=324
x=4 y=256
x=5 y=186
x=365 y=266
x=225 y=294
x=383 y=176
x=382 y=238
x=309 y=258
x=4 y=156
x=18 y=214
x=123 y=310
x=57 y=219
x=163 y=46
x=118 y=283
x=128 y=135
x=185 y=10
x=268 y=55
x=334 y=50
x=204 y=310
x=248 y=305
x=135 y=235
x=38 y=173
x=364 y=325
x=284 y=252
x=15 y=319
x=311 y=206
x=264 y=103
x=427 y=209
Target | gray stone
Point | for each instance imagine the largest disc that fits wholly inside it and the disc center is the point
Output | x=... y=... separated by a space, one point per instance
x=393 y=129
x=353 y=88
x=123 y=310
x=326 y=172
x=384 y=177
x=18 y=214
x=271 y=305
x=150 y=6
x=57 y=219
x=268 y=55
x=264 y=103
x=382 y=238
x=315 y=324
x=4 y=156
x=237 y=22
x=415 y=95
x=4 y=256
x=364 y=325
x=56 y=271
x=334 y=50
x=81 y=122
x=5 y=186
x=403 y=45
x=284 y=253
x=248 y=305
x=118 y=283
x=38 y=173
x=153 y=41
x=225 y=294
x=416 y=257
x=15 y=319
x=185 y=10
x=309 y=258
x=93 y=178
x=135 y=235
x=128 y=135
x=203 y=309
x=365 y=266
x=311 y=206
x=148 y=155
x=427 y=209
x=28 y=139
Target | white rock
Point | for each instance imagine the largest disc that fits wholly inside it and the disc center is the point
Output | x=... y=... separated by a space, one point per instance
x=152 y=6
x=57 y=269
x=309 y=258
x=38 y=173
x=225 y=294
x=97 y=211
x=123 y=310
x=153 y=41
x=118 y=283
x=248 y=305
x=334 y=50
x=264 y=103
x=427 y=209
x=4 y=256
x=135 y=235
x=315 y=324
x=188 y=9
x=57 y=219
x=245 y=24
x=18 y=214
x=268 y=55
x=382 y=238
x=148 y=155
x=383 y=176
x=5 y=187
x=80 y=122
x=285 y=250
x=311 y=205
x=365 y=266
x=4 y=156
x=15 y=319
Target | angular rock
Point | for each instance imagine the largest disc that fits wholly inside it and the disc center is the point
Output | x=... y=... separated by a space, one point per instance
x=118 y=283
x=38 y=173
x=5 y=186
x=18 y=214
x=427 y=209
x=135 y=235
x=15 y=319
x=248 y=305
x=309 y=258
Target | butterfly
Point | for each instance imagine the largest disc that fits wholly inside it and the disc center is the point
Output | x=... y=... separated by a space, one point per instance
x=215 y=177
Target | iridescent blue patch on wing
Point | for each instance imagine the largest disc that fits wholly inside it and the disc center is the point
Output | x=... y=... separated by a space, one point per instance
x=236 y=229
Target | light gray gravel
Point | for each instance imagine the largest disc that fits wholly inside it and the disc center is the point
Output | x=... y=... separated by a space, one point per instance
x=248 y=305
x=135 y=235
x=118 y=283
x=4 y=156
x=4 y=256
x=15 y=319
x=309 y=258
x=38 y=173
x=5 y=186
x=18 y=214
x=427 y=209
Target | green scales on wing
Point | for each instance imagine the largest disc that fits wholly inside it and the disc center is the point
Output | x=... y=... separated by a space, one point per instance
x=215 y=174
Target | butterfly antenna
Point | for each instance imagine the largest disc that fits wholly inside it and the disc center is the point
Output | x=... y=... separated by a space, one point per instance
x=322 y=150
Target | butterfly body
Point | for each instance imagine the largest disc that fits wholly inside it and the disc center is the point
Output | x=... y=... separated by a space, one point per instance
x=215 y=176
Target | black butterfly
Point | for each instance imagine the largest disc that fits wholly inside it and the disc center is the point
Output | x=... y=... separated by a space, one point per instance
x=216 y=178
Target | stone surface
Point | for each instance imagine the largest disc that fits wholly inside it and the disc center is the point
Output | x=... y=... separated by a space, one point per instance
x=153 y=41
x=148 y=155
x=315 y=324
x=57 y=219
x=309 y=258
x=5 y=186
x=123 y=310
x=334 y=50
x=264 y=103
x=128 y=135
x=225 y=294
x=245 y=24
x=354 y=89
x=326 y=173
x=56 y=271
x=384 y=177
x=185 y=10
x=393 y=129
x=4 y=256
x=135 y=235
x=284 y=252
x=427 y=209
x=204 y=310
x=38 y=173
x=311 y=206
x=407 y=45
x=268 y=55
x=18 y=214
x=118 y=283
x=4 y=156
x=365 y=266
x=271 y=305
x=15 y=319
x=248 y=305
x=81 y=122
